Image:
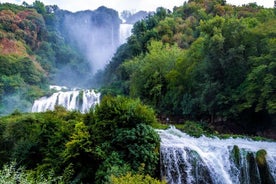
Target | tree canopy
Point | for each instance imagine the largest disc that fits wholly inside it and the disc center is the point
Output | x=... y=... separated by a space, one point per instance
x=114 y=139
x=206 y=61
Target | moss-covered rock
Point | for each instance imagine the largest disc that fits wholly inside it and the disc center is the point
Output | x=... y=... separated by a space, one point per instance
x=236 y=155
x=260 y=158
x=265 y=175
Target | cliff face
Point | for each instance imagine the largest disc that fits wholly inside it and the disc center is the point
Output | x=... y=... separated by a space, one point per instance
x=94 y=33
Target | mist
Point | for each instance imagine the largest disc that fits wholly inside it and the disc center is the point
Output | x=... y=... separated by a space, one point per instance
x=96 y=34
x=14 y=102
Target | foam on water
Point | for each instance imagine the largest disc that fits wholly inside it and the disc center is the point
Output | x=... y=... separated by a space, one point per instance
x=185 y=159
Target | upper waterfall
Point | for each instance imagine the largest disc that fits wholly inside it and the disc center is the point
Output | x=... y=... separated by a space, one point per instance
x=125 y=32
x=185 y=159
x=81 y=100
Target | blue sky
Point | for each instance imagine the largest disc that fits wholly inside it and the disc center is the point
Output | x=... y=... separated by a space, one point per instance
x=133 y=5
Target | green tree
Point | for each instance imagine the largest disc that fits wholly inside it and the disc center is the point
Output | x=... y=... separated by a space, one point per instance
x=149 y=80
x=260 y=82
x=39 y=6
x=79 y=153
x=122 y=128
x=138 y=146
x=225 y=63
x=184 y=79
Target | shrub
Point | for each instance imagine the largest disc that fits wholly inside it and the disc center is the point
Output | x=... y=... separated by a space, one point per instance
x=10 y=175
x=135 y=178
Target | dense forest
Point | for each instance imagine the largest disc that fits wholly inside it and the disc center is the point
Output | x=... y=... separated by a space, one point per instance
x=114 y=139
x=207 y=66
x=205 y=61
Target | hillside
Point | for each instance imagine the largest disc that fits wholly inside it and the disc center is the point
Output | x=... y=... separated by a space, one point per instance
x=206 y=61
x=42 y=45
x=208 y=67
x=23 y=76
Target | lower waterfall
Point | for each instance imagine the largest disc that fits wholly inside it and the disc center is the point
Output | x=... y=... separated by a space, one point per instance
x=81 y=100
x=188 y=160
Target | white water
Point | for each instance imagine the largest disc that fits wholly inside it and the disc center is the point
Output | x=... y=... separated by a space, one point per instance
x=81 y=100
x=58 y=88
x=185 y=159
x=125 y=32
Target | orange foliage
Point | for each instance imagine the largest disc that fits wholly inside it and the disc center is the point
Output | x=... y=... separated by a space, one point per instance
x=27 y=13
x=23 y=26
x=12 y=47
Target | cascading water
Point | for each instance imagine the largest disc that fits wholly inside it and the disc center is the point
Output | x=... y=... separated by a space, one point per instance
x=188 y=160
x=81 y=100
x=125 y=32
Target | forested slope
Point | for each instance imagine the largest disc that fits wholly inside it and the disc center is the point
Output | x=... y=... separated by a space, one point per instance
x=42 y=45
x=207 y=61
x=30 y=54
x=22 y=76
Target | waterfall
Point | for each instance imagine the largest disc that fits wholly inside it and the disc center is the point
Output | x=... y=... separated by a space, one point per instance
x=81 y=100
x=125 y=32
x=185 y=159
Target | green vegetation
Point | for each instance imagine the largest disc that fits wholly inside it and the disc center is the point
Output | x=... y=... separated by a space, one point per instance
x=205 y=61
x=34 y=52
x=10 y=175
x=265 y=174
x=236 y=155
x=113 y=140
x=21 y=74
x=260 y=157
x=137 y=179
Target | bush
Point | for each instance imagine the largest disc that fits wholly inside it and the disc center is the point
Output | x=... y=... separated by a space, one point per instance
x=122 y=127
x=10 y=175
x=120 y=112
x=195 y=129
x=135 y=178
x=114 y=139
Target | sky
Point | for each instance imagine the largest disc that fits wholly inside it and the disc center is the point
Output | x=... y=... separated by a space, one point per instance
x=132 y=5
